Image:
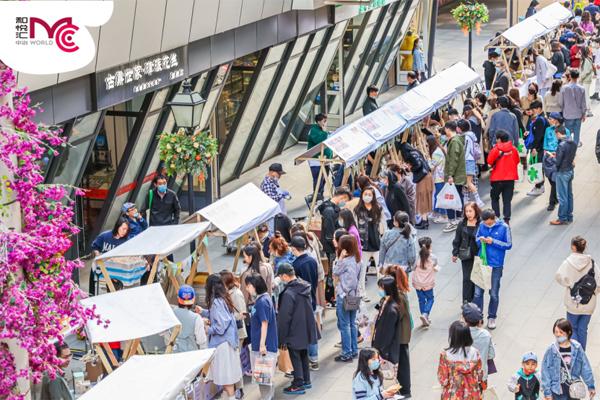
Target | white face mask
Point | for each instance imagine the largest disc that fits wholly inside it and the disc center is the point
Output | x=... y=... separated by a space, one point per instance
x=367 y=198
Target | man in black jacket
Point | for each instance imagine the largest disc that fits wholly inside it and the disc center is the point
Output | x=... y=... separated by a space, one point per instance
x=305 y=266
x=502 y=80
x=412 y=79
x=489 y=68
x=164 y=208
x=296 y=326
x=370 y=103
x=537 y=128
x=330 y=211
x=565 y=157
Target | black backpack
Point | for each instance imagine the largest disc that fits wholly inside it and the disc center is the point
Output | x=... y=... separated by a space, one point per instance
x=584 y=288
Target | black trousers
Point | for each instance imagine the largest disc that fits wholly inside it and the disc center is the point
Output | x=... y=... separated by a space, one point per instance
x=468 y=287
x=403 y=375
x=505 y=189
x=299 y=360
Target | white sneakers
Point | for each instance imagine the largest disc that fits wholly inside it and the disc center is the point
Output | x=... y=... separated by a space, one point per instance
x=451 y=226
x=491 y=323
x=441 y=219
x=425 y=321
x=536 y=191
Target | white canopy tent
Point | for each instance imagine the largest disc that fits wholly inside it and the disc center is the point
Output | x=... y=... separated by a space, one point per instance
x=159 y=241
x=152 y=377
x=133 y=314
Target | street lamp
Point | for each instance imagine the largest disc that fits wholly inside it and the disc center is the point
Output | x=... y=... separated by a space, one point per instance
x=187 y=109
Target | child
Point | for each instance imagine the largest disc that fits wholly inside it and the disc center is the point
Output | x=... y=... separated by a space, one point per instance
x=423 y=278
x=525 y=384
x=368 y=379
x=482 y=339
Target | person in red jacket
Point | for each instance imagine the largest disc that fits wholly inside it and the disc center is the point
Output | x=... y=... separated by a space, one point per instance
x=504 y=159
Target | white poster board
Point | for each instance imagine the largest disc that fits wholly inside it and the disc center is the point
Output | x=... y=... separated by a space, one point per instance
x=383 y=124
x=351 y=143
x=133 y=313
x=240 y=211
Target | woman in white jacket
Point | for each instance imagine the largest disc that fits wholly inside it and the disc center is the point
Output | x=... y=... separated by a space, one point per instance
x=544 y=72
x=575 y=267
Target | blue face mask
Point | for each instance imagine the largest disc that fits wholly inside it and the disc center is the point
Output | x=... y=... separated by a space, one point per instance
x=162 y=188
x=374 y=365
x=381 y=293
x=341 y=204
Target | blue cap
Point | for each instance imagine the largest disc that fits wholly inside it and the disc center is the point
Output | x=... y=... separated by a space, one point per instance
x=186 y=295
x=127 y=206
x=556 y=115
x=529 y=356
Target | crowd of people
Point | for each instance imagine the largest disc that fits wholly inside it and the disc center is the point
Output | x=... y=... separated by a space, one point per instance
x=274 y=310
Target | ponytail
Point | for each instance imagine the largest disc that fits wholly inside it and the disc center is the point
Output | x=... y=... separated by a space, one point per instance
x=425 y=250
x=401 y=219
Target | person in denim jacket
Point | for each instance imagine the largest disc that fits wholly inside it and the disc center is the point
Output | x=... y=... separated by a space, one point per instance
x=565 y=353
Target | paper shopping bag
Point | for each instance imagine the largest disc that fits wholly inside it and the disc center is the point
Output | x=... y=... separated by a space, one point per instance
x=284 y=363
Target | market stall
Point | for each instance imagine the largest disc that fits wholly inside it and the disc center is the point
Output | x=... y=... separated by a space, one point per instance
x=378 y=130
x=133 y=314
x=513 y=41
x=236 y=216
x=156 y=377
x=158 y=242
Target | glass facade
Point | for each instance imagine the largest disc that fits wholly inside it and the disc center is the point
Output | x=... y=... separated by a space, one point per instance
x=257 y=106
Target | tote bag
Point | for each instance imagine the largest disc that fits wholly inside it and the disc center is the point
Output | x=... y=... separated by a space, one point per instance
x=534 y=171
x=284 y=362
x=481 y=275
x=448 y=198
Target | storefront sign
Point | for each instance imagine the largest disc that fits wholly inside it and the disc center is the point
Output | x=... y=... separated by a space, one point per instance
x=126 y=81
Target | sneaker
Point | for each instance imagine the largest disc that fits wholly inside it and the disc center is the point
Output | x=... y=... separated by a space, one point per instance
x=424 y=320
x=424 y=224
x=366 y=299
x=491 y=323
x=535 y=191
x=239 y=394
x=589 y=114
x=580 y=144
x=345 y=359
x=441 y=219
x=557 y=222
x=330 y=306
x=551 y=207
x=307 y=385
x=314 y=366
x=595 y=96
x=338 y=345
x=450 y=227
x=294 y=390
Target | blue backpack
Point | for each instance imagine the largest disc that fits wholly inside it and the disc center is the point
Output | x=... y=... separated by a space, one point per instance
x=529 y=139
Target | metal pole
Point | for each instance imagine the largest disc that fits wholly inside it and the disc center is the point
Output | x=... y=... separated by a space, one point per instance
x=470 y=49
x=191 y=208
x=432 y=30
x=510 y=12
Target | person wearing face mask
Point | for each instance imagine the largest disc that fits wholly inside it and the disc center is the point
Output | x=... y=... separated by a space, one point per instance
x=367 y=383
x=296 y=326
x=58 y=388
x=555 y=121
x=419 y=60
x=270 y=187
x=565 y=361
x=421 y=176
x=164 y=205
x=502 y=80
x=137 y=223
x=263 y=325
x=330 y=210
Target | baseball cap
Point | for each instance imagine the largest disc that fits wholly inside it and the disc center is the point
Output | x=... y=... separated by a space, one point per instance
x=186 y=295
x=556 y=115
x=529 y=356
x=471 y=313
x=285 y=269
x=276 y=167
x=298 y=242
x=127 y=206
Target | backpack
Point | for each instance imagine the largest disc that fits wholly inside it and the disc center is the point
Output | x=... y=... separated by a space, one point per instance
x=477 y=153
x=529 y=139
x=583 y=290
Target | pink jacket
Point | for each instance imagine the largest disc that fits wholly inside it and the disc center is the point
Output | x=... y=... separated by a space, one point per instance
x=354 y=232
x=424 y=279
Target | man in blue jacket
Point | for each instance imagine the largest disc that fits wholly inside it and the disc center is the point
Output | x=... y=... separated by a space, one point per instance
x=497 y=238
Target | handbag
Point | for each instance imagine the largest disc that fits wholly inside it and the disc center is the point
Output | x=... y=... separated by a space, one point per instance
x=491 y=367
x=351 y=302
x=577 y=388
x=284 y=362
x=465 y=251
x=388 y=369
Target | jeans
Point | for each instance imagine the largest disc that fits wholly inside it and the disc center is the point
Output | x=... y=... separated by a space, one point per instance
x=426 y=299
x=468 y=287
x=580 y=327
x=314 y=170
x=453 y=214
x=494 y=293
x=438 y=188
x=564 y=189
x=313 y=352
x=346 y=323
x=505 y=189
x=553 y=196
x=403 y=375
x=574 y=125
x=338 y=175
x=299 y=358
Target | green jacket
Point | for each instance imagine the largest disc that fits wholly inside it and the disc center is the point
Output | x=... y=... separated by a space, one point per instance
x=315 y=137
x=455 y=160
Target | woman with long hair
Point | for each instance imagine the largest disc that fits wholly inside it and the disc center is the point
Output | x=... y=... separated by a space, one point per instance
x=225 y=369
x=421 y=177
x=253 y=259
x=551 y=103
x=587 y=75
x=348 y=222
x=280 y=251
x=367 y=383
x=105 y=242
x=423 y=278
x=464 y=247
x=346 y=268
x=370 y=224
x=401 y=194
x=437 y=161
x=398 y=244
x=418 y=59
x=587 y=25
x=460 y=371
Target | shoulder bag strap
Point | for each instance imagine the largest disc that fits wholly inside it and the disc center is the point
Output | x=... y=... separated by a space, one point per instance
x=564 y=362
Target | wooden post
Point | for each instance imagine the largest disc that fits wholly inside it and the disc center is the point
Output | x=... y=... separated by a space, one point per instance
x=103 y=358
x=153 y=270
x=376 y=162
x=132 y=350
x=106 y=275
x=238 y=251
x=172 y=338
x=111 y=356
x=199 y=249
x=319 y=178
x=207 y=260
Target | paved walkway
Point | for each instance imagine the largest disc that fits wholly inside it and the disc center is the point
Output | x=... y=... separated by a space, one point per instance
x=530 y=299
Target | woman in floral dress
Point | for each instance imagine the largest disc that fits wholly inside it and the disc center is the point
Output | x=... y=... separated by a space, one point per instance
x=460 y=371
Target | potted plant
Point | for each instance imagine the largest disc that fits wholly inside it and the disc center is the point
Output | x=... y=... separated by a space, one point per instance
x=469 y=16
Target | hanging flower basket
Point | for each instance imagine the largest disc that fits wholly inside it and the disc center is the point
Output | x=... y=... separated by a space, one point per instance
x=470 y=15
x=184 y=153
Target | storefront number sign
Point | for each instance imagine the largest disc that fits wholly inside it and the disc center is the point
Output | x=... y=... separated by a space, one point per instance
x=126 y=81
